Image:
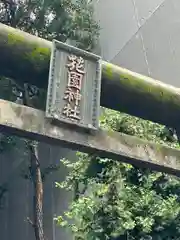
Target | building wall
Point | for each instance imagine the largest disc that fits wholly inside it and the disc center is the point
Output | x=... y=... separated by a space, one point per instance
x=142 y=35
x=16 y=205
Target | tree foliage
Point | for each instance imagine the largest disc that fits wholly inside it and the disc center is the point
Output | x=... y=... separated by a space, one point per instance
x=53 y=19
x=50 y=19
x=119 y=201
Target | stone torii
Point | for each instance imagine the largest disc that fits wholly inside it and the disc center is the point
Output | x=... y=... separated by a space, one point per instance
x=121 y=90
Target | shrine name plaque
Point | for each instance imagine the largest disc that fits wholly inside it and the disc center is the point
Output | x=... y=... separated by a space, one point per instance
x=74 y=86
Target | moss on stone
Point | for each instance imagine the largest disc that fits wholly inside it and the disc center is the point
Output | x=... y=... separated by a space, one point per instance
x=39 y=57
x=38 y=54
x=33 y=53
x=135 y=94
x=137 y=85
x=14 y=39
x=109 y=71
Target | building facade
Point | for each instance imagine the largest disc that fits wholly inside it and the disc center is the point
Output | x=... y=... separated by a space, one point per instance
x=142 y=35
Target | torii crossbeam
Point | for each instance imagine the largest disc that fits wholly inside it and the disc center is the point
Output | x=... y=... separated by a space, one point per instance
x=121 y=89
x=151 y=100
x=32 y=123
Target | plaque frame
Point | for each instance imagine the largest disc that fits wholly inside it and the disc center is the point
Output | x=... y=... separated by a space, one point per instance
x=51 y=112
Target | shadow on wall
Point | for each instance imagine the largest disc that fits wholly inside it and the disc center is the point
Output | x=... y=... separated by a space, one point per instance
x=16 y=204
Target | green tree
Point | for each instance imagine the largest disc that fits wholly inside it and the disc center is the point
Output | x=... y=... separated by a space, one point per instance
x=119 y=201
x=51 y=19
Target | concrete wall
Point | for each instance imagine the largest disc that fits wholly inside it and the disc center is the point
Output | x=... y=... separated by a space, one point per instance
x=142 y=35
x=16 y=206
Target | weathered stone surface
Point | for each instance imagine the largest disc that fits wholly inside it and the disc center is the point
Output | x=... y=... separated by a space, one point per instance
x=74 y=86
x=31 y=123
x=26 y=58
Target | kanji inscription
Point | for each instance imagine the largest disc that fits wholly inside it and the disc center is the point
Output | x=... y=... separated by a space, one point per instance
x=74 y=86
x=73 y=95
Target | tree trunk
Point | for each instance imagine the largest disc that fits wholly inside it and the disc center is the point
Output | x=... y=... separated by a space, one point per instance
x=38 y=192
x=25 y=58
x=36 y=178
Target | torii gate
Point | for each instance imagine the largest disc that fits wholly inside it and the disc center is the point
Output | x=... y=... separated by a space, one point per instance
x=120 y=90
